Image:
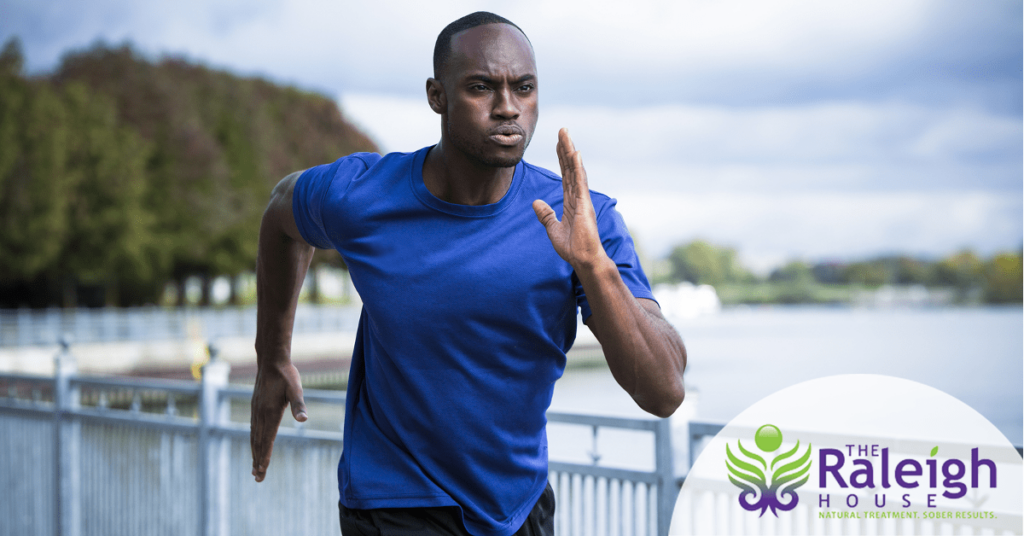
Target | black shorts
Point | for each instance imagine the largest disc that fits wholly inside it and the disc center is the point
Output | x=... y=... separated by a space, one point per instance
x=440 y=520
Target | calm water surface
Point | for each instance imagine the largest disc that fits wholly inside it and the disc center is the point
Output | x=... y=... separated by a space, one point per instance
x=742 y=355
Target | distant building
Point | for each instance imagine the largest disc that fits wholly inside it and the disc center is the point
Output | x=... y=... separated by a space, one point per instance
x=685 y=300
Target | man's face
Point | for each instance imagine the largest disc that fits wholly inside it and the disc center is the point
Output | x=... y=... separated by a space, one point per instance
x=491 y=89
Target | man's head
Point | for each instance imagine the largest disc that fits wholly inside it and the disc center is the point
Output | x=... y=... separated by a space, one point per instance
x=485 y=88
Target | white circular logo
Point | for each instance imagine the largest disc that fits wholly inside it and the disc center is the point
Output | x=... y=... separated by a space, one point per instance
x=854 y=454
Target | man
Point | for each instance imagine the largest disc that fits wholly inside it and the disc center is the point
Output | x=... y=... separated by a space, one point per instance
x=469 y=303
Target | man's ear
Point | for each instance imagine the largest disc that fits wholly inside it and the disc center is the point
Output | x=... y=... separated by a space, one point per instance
x=436 y=97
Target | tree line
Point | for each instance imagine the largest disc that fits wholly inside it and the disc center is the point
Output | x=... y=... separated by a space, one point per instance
x=997 y=279
x=119 y=174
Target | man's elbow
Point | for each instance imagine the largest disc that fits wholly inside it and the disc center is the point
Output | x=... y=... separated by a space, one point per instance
x=668 y=396
x=665 y=405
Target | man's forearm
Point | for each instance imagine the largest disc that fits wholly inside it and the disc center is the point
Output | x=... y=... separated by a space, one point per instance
x=281 y=266
x=644 y=352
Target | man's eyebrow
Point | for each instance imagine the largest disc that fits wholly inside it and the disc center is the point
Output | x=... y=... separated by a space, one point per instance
x=488 y=80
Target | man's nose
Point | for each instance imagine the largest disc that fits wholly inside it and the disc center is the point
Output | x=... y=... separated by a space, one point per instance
x=505 y=105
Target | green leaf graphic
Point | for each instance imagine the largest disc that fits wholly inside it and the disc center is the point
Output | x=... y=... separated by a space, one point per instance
x=785 y=455
x=751 y=454
x=792 y=471
x=759 y=479
x=935 y=450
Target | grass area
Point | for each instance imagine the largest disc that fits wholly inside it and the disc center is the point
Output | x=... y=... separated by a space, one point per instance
x=802 y=292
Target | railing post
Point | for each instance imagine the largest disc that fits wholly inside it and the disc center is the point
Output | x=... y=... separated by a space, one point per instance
x=212 y=476
x=665 y=468
x=67 y=435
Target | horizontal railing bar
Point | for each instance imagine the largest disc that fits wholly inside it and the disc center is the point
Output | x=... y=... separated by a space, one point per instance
x=325 y=396
x=329 y=396
x=600 y=420
x=699 y=429
x=287 y=434
x=237 y=391
x=25 y=378
x=139 y=384
x=142 y=420
x=603 y=472
x=27 y=409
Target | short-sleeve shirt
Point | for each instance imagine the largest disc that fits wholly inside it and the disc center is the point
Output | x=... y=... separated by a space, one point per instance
x=467 y=316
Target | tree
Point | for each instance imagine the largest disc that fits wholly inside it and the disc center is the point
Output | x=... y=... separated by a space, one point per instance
x=1003 y=278
x=792 y=272
x=870 y=273
x=962 y=270
x=118 y=173
x=109 y=240
x=702 y=263
x=34 y=180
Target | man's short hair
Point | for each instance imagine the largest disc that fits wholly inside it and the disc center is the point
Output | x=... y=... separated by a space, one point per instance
x=443 y=46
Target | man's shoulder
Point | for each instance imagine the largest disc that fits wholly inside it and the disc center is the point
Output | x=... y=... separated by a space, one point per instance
x=546 y=177
x=372 y=159
x=368 y=159
x=359 y=165
x=540 y=173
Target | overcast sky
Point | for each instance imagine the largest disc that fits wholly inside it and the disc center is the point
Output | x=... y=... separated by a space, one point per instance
x=785 y=129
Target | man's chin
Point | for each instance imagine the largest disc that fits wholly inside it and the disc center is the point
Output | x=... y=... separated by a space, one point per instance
x=499 y=161
x=502 y=159
x=503 y=163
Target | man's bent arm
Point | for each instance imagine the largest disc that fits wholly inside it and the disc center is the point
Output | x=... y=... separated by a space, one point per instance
x=281 y=266
x=645 y=354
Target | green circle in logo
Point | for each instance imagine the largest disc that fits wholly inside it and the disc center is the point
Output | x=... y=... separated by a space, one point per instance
x=768 y=438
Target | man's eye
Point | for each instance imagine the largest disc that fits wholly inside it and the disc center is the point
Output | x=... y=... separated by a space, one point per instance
x=479 y=87
x=525 y=88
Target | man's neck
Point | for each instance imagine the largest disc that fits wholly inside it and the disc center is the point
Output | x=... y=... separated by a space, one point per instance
x=450 y=176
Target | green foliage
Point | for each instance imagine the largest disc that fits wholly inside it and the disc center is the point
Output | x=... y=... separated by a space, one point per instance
x=865 y=273
x=996 y=280
x=961 y=270
x=702 y=263
x=33 y=172
x=786 y=293
x=793 y=272
x=110 y=231
x=126 y=173
x=1003 y=278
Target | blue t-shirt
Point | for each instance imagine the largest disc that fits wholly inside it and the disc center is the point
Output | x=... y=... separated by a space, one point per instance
x=467 y=315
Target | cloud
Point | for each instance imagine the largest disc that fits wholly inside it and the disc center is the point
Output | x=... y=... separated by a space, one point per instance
x=649 y=52
x=769 y=228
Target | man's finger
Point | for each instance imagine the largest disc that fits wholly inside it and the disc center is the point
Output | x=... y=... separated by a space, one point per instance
x=566 y=140
x=299 y=407
x=560 y=152
x=545 y=214
x=261 y=468
x=579 y=172
x=565 y=149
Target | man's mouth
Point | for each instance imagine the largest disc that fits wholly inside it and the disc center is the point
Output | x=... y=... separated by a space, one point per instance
x=507 y=135
x=507 y=139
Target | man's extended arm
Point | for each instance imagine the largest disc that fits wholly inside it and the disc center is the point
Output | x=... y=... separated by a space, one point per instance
x=644 y=352
x=281 y=266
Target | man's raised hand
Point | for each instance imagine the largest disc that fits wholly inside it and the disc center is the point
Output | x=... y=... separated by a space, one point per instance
x=276 y=388
x=575 y=237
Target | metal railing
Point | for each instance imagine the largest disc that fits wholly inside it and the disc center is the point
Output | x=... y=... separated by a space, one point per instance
x=84 y=455
x=593 y=499
x=27 y=327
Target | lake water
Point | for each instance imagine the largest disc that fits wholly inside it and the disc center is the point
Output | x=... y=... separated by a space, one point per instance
x=742 y=355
